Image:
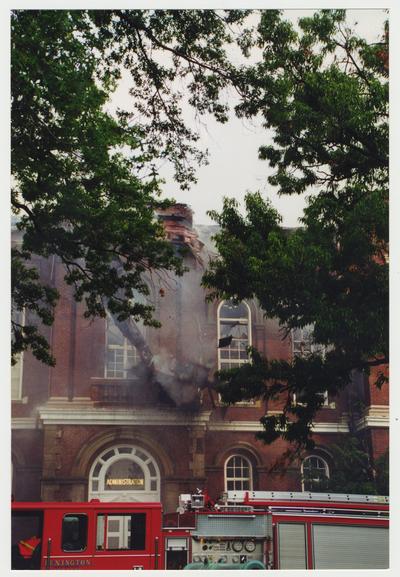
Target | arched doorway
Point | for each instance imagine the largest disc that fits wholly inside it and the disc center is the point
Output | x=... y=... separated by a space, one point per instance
x=124 y=473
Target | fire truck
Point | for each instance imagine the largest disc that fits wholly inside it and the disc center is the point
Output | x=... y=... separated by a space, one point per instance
x=249 y=530
x=294 y=531
x=92 y=535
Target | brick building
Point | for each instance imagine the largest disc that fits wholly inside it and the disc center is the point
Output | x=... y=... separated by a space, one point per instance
x=99 y=425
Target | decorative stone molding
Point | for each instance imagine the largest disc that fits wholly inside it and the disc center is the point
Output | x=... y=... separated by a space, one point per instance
x=24 y=423
x=254 y=426
x=89 y=415
x=240 y=447
x=84 y=458
x=374 y=416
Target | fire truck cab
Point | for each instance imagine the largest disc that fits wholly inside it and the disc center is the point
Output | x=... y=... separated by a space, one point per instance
x=90 y=535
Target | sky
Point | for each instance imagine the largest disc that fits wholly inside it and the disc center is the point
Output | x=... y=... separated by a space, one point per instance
x=234 y=167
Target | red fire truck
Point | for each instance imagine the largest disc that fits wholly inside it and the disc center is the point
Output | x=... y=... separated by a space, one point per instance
x=90 y=535
x=279 y=530
x=295 y=531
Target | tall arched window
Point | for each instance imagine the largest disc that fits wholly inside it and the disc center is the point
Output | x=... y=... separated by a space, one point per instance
x=238 y=474
x=314 y=473
x=233 y=321
x=124 y=473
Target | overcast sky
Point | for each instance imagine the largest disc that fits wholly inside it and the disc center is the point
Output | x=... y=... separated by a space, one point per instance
x=234 y=167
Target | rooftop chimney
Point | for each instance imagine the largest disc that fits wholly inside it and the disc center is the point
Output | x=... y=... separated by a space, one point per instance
x=178 y=224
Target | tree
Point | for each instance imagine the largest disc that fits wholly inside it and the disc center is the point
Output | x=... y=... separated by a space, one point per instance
x=353 y=471
x=85 y=185
x=324 y=92
x=382 y=474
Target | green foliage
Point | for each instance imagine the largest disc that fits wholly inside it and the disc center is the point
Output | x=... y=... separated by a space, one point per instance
x=278 y=379
x=85 y=183
x=353 y=471
x=173 y=56
x=324 y=93
x=29 y=294
x=382 y=474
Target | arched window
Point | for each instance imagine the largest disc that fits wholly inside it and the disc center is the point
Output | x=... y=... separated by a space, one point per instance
x=238 y=474
x=233 y=321
x=314 y=473
x=124 y=473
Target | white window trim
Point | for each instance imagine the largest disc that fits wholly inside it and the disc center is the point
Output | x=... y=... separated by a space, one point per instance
x=19 y=365
x=250 y=466
x=327 y=472
x=313 y=348
x=139 y=495
x=16 y=393
x=240 y=320
x=237 y=362
x=325 y=404
x=124 y=348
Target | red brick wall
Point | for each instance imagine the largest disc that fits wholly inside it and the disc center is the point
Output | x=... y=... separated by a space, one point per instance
x=189 y=333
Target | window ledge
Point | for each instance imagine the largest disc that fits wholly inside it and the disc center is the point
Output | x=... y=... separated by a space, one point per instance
x=329 y=406
x=106 y=380
x=21 y=401
x=243 y=404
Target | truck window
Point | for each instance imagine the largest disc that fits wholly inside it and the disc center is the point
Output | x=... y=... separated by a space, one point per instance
x=74 y=532
x=116 y=532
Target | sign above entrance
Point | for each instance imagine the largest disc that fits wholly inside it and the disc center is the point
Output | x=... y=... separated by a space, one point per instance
x=130 y=482
x=124 y=473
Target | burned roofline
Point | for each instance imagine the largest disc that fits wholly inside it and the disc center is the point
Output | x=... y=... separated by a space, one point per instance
x=175 y=217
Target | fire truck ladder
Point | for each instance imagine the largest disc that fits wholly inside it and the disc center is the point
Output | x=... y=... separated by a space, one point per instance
x=252 y=497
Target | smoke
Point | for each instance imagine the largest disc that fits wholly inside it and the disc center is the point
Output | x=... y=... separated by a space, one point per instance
x=181 y=360
x=183 y=381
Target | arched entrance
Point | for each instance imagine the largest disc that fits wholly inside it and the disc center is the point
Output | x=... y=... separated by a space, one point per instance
x=124 y=473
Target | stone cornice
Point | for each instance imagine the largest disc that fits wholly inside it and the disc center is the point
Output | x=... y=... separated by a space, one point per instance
x=73 y=414
x=374 y=416
x=83 y=413
x=255 y=426
x=24 y=423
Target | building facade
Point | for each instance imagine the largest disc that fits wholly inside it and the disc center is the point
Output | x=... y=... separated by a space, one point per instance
x=130 y=414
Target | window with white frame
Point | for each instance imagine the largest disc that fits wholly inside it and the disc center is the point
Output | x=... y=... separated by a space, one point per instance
x=18 y=317
x=121 y=356
x=299 y=398
x=303 y=342
x=16 y=379
x=238 y=474
x=234 y=320
x=303 y=345
x=314 y=474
